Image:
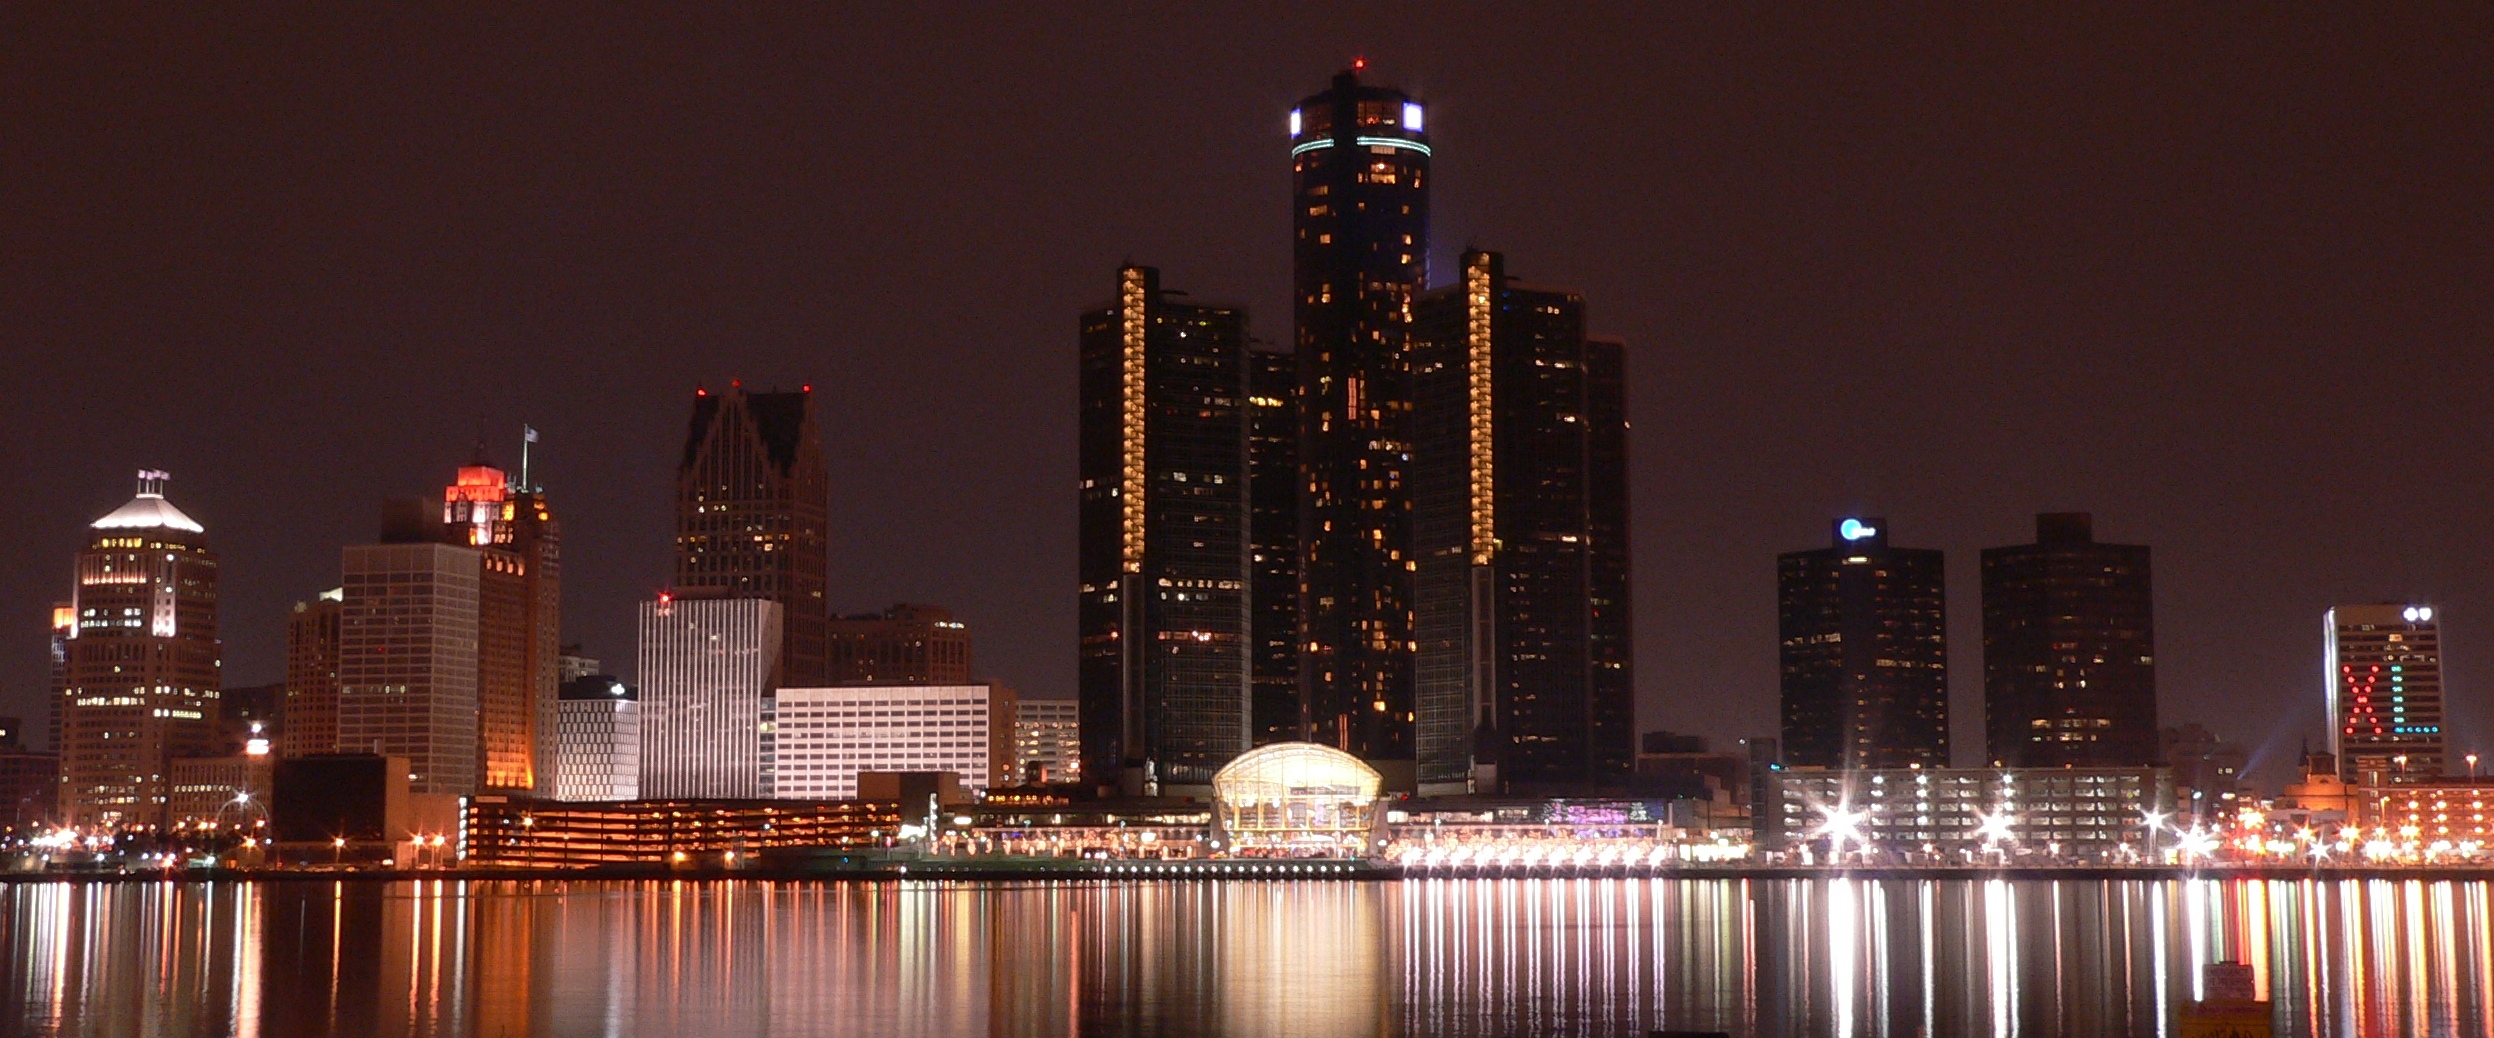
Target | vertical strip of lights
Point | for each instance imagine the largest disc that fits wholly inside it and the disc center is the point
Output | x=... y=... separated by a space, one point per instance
x=1133 y=301
x=1477 y=291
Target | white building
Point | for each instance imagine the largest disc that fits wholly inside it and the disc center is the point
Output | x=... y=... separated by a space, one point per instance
x=2384 y=669
x=2087 y=814
x=597 y=756
x=706 y=667
x=1047 y=741
x=407 y=663
x=825 y=736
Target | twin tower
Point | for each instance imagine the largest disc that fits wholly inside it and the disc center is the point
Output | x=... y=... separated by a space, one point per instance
x=1405 y=538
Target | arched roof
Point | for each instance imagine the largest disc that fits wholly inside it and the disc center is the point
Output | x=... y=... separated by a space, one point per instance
x=148 y=511
x=1287 y=769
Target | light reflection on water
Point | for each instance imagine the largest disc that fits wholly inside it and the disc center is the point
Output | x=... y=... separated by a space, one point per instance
x=1428 y=957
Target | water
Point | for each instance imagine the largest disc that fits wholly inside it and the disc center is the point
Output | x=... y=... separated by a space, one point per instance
x=1431 y=957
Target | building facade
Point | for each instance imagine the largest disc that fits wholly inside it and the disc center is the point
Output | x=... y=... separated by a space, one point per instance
x=753 y=514
x=311 y=709
x=903 y=645
x=519 y=620
x=1863 y=634
x=1163 y=670
x=1047 y=742
x=1520 y=521
x=141 y=669
x=597 y=740
x=228 y=793
x=1943 y=814
x=1360 y=255
x=407 y=659
x=2069 y=650
x=707 y=670
x=1273 y=548
x=823 y=737
x=2384 y=672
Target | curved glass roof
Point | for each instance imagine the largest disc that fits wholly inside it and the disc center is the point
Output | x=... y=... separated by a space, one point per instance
x=1295 y=769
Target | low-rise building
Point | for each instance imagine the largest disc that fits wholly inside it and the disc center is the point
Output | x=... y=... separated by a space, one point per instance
x=597 y=730
x=521 y=833
x=222 y=791
x=1944 y=814
x=822 y=737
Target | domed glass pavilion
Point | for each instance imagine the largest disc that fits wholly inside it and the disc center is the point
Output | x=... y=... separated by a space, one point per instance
x=1298 y=800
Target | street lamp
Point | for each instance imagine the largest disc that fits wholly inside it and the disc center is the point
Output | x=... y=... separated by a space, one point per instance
x=2472 y=765
x=2156 y=821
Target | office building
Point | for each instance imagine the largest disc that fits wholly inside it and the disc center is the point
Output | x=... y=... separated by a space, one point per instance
x=1966 y=815
x=903 y=645
x=141 y=665
x=312 y=676
x=1360 y=254
x=1274 y=713
x=825 y=736
x=597 y=740
x=1520 y=523
x=1864 y=652
x=30 y=787
x=357 y=807
x=572 y=666
x=56 y=705
x=753 y=514
x=1163 y=564
x=519 y=618
x=707 y=667
x=2209 y=783
x=229 y=792
x=2069 y=650
x=407 y=657
x=1047 y=742
x=2384 y=669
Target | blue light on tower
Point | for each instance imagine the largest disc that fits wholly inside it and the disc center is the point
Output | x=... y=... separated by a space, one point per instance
x=1855 y=529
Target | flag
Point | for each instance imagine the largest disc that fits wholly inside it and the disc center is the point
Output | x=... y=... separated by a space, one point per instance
x=528 y=433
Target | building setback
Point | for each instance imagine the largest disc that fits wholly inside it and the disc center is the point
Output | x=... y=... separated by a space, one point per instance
x=141 y=666
x=1864 y=652
x=407 y=658
x=753 y=513
x=903 y=645
x=1520 y=503
x=1273 y=548
x=2384 y=674
x=311 y=710
x=2069 y=650
x=1360 y=254
x=597 y=740
x=1164 y=673
x=824 y=736
x=707 y=668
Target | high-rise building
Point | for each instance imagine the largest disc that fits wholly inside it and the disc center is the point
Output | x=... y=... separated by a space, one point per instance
x=597 y=740
x=2384 y=674
x=903 y=645
x=1863 y=628
x=753 y=513
x=707 y=667
x=2069 y=650
x=825 y=736
x=64 y=627
x=142 y=665
x=1360 y=212
x=1047 y=741
x=1519 y=518
x=519 y=621
x=312 y=676
x=1273 y=548
x=1164 y=553
x=407 y=657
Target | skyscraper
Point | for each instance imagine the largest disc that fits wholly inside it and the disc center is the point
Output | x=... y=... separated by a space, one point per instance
x=407 y=656
x=1164 y=672
x=707 y=670
x=1863 y=629
x=311 y=710
x=753 y=513
x=903 y=645
x=1520 y=499
x=2069 y=650
x=1273 y=547
x=142 y=665
x=519 y=621
x=2384 y=674
x=1360 y=210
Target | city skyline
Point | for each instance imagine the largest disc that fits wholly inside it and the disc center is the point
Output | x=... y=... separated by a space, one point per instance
x=1943 y=413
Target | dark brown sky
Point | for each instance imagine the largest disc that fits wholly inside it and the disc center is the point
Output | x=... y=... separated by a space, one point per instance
x=2222 y=278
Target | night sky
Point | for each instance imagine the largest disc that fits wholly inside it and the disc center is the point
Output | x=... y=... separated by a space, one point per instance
x=2223 y=279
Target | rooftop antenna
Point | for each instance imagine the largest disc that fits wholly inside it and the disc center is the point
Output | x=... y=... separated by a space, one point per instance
x=528 y=436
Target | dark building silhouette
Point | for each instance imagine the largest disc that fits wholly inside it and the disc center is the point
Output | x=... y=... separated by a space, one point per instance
x=903 y=645
x=1360 y=213
x=1273 y=546
x=1864 y=652
x=2069 y=650
x=311 y=710
x=1520 y=505
x=1164 y=669
x=753 y=514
